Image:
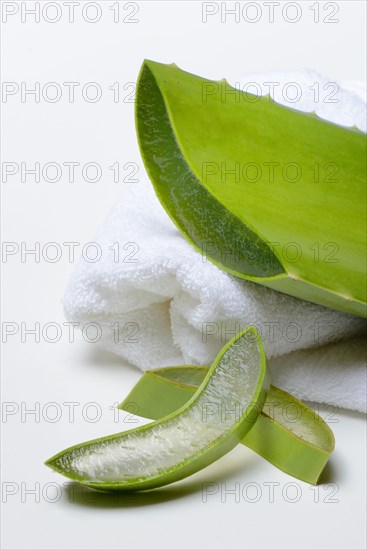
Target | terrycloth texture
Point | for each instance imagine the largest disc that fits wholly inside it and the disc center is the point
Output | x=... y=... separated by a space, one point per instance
x=172 y=307
x=334 y=374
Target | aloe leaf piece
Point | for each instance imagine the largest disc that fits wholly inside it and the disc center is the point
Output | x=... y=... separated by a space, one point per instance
x=224 y=407
x=288 y=434
x=296 y=223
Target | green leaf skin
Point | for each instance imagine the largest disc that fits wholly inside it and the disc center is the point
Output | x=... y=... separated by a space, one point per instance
x=212 y=421
x=190 y=140
x=288 y=434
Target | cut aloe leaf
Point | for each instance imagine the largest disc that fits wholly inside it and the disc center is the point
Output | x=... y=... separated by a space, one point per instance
x=224 y=407
x=288 y=434
x=267 y=193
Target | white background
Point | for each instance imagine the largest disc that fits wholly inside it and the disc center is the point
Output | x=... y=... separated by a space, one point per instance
x=107 y=52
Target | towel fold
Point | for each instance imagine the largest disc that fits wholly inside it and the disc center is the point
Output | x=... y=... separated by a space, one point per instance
x=334 y=374
x=158 y=302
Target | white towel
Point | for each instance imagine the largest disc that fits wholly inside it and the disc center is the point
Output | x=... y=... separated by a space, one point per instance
x=160 y=303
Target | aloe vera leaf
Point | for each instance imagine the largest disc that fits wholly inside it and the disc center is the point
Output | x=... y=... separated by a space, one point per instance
x=288 y=434
x=305 y=238
x=225 y=406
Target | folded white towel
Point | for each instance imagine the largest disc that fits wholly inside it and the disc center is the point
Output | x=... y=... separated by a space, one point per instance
x=335 y=374
x=172 y=307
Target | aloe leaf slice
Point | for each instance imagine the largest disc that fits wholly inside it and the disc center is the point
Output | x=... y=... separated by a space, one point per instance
x=288 y=434
x=299 y=225
x=225 y=406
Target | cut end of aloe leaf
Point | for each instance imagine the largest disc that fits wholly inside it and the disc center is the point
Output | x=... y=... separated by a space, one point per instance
x=300 y=420
x=224 y=408
x=282 y=231
x=292 y=436
x=213 y=230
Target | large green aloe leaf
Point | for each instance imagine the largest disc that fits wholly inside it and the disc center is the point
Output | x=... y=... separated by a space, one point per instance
x=267 y=193
x=287 y=433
